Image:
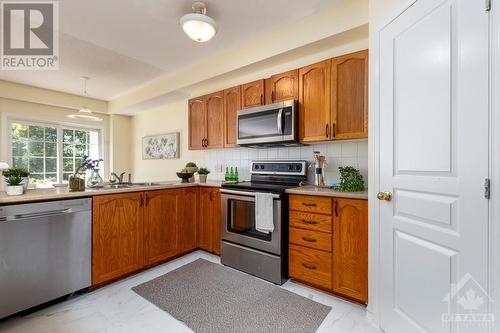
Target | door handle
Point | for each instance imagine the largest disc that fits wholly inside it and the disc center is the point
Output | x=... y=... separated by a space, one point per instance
x=261 y=99
x=385 y=196
x=333 y=129
x=147 y=200
x=310 y=240
x=279 y=121
x=142 y=201
x=327 y=131
x=307 y=204
x=272 y=96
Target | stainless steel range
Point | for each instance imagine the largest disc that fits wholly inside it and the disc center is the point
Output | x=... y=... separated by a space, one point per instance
x=245 y=246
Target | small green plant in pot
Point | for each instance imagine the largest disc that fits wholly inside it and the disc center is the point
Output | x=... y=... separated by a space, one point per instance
x=203 y=173
x=14 y=185
x=351 y=180
x=17 y=172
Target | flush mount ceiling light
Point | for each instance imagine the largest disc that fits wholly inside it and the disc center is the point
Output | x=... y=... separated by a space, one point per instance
x=85 y=113
x=197 y=25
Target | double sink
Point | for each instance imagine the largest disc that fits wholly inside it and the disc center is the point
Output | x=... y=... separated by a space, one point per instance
x=129 y=185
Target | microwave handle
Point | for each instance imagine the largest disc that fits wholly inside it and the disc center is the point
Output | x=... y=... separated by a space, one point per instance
x=279 y=121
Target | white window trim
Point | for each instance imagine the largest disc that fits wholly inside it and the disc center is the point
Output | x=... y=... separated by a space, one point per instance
x=59 y=126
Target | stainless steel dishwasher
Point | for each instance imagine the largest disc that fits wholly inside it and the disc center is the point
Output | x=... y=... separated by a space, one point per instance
x=45 y=251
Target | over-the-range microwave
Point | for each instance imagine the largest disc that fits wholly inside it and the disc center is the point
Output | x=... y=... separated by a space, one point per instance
x=268 y=125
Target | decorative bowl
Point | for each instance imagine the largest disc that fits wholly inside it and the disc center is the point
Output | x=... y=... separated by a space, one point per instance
x=185 y=176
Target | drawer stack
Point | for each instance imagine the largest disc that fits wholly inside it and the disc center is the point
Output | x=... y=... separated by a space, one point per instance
x=310 y=248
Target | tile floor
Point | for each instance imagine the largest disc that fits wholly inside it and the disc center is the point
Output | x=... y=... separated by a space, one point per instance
x=116 y=308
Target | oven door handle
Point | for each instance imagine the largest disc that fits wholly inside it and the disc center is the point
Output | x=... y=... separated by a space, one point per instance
x=250 y=194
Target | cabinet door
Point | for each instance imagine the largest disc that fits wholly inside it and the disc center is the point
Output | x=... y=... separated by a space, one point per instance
x=252 y=94
x=314 y=102
x=285 y=86
x=215 y=120
x=197 y=123
x=160 y=225
x=232 y=103
x=350 y=248
x=216 y=221
x=205 y=225
x=350 y=96
x=188 y=219
x=117 y=235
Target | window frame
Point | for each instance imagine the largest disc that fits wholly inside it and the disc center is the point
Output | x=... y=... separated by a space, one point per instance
x=59 y=128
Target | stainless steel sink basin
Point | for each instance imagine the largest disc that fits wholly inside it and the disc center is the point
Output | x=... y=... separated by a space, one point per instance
x=115 y=186
x=146 y=184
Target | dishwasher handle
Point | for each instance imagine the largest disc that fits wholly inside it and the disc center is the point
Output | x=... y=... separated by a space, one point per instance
x=36 y=215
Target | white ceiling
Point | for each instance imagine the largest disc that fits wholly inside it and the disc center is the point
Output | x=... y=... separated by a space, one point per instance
x=123 y=44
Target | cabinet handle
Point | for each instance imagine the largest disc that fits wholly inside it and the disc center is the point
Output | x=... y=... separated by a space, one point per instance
x=211 y=196
x=327 y=130
x=261 y=99
x=334 y=127
x=307 y=204
x=309 y=222
x=309 y=266
x=310 y=240
x=142 y=201
x=272 y=96
x=147 y=201
x=336 y=208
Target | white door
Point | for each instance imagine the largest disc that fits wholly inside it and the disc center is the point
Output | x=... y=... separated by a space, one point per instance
x=434 y=160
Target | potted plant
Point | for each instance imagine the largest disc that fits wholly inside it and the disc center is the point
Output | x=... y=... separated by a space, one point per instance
x=17 y=172
x=351 y=180
x=14 y=185
x=203 y=173
x=192 y=168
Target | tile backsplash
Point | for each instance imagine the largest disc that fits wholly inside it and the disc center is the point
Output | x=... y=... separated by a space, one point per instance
x=349 y=153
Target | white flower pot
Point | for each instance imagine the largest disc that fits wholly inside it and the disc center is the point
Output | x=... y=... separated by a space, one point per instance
x=24 y=183
x=15 y=190
x=203 y=178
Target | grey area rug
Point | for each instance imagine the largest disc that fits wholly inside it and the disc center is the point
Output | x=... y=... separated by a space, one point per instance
x=210 y=298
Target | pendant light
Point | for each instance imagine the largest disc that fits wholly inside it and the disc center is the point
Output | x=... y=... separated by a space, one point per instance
x=85 y=113
x=197 y=25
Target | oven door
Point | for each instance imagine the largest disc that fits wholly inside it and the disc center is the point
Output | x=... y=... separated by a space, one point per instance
x=273 y=123
x=238 y=222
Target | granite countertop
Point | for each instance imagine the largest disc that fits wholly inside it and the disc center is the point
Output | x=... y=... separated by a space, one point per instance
x=327 y=192
x=46 y=194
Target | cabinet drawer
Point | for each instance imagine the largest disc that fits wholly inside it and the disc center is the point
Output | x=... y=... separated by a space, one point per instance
x=313 y=204
x=310 y=266
x=313 y=239
x=309 y=221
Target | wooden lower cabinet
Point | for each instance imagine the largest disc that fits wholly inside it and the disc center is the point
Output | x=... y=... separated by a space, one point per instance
x=329 y=244
x=350 y=248
x=132 y=231
x=209 y=221
x=117 y=236
x=161 y=224
x=188 y=219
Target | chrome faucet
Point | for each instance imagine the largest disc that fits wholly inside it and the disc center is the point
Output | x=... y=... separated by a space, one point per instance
x=120 y=177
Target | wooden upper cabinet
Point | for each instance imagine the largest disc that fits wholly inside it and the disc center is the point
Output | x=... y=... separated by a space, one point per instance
x=197 y=123
x=350 y=248
x=161 y=240
x=188 y=219
x=232 y=103
x=252 y=94
x=350 y=96
x=117 y=236
x=314 y=102
x=285 y=86
x=215 y=120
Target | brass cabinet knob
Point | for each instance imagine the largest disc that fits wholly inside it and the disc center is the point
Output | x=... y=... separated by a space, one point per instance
x=387 y=196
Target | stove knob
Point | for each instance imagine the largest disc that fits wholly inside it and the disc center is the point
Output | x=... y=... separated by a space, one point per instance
x=298 y=167
x=256 y=167
x=290 y=167
x=262 y=166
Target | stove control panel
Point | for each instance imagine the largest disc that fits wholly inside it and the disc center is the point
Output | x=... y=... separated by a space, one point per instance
x=279 y=167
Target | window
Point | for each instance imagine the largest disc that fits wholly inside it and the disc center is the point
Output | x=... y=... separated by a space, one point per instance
x=51 y=153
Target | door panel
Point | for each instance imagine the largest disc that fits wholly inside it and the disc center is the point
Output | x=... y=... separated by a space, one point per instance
x=232 y=103
x=350 y=96
x=285 y=86
x=161 y=240
x=252 y=94
x=197 y=123
x=434 y=159
x=215 y=119
x=205 y=225
x=314 y=102
x=188 y=219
